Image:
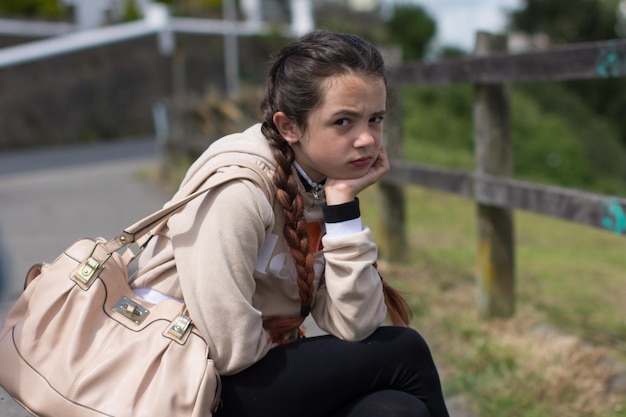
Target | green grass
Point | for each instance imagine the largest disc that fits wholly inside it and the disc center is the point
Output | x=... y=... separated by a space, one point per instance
x=575 y=273
x=568 y=277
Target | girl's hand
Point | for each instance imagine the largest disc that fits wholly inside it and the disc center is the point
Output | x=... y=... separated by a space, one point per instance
x=339 y=191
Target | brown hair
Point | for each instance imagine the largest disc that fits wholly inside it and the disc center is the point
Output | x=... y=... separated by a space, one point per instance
x=294 y=88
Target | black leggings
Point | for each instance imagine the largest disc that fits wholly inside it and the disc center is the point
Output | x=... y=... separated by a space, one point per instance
x=391 y=374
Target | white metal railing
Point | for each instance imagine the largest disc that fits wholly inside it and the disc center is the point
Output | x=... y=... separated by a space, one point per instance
x=154 y=23
x=223 y=27
x=46 y=48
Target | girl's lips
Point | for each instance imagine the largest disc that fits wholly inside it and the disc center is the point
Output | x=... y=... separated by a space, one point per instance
x=361 y=162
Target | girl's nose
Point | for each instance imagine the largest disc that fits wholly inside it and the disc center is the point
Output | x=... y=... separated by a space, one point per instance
x=366 y=138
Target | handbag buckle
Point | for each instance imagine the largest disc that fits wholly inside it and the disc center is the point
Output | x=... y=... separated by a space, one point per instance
x=179 y=327
x=85 y=273
x=131 y=310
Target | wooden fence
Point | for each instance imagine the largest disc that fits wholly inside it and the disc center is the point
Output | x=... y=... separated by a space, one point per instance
x=491 y=184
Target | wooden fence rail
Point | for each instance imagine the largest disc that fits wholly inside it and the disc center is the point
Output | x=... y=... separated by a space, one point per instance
x=496 y=193
x=591 y=209
x=591 y=60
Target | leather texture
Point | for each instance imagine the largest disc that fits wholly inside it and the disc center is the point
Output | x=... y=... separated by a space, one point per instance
x=66 y=350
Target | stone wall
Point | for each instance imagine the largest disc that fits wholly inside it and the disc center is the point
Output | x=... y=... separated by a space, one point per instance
x=109 y=92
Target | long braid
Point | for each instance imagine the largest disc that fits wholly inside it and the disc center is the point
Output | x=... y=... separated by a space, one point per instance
x=295 y=234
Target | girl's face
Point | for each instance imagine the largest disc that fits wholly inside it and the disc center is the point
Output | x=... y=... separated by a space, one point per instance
x=344 y=133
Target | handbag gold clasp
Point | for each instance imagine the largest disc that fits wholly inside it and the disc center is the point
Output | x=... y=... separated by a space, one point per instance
x=86 y=272
x=179 y=327
x=131 y=310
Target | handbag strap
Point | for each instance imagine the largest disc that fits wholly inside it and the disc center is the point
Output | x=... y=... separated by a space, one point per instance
x=137 y=230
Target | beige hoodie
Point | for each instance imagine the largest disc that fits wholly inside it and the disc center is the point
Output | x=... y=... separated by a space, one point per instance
x=226 y=256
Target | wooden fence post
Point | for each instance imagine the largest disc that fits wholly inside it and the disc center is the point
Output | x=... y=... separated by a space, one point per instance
x=494 y=156
x=393 y=240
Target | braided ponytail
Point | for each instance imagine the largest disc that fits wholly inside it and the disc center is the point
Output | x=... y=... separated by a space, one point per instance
x=280 y=328
x=294 y=88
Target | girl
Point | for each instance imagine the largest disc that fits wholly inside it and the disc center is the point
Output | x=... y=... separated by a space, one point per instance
x=253 y=258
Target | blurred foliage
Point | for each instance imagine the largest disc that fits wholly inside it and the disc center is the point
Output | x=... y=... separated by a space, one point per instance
x=339 y=18
x=556 y=138
x=56 y=9
x=567 y=21
x=576 y=21
x=196 y=8
x=413 y=29
x=131 y=11
x=448 y=52
x=599 y=139
x=409 y=27
x=50 y=9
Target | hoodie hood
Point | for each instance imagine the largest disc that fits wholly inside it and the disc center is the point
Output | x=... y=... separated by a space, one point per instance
x=238 y=150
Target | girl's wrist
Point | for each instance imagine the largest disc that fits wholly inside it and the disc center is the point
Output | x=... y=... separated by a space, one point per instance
x=343 y=219
x=337 y=195
x=337 y=213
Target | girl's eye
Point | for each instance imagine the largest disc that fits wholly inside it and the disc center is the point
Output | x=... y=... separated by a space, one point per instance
x=342 y=122
x=376 y=119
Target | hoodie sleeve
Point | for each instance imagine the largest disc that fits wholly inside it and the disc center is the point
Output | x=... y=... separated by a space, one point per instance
x=215 y=259
x=350 y=303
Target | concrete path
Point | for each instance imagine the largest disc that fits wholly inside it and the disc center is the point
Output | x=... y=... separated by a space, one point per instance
x=50 y=198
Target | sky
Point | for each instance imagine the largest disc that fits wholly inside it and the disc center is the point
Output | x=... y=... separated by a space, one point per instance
x=459 y=20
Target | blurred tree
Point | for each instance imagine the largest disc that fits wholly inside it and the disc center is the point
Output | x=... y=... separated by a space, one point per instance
x=574 y=21
x=199 y=8
x=339 y=18
x=51 y=9
x=567 y=21
x=448 y=52
x=413 y=29
x=131 y=11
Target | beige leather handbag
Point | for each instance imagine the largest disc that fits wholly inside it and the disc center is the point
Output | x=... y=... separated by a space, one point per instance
x=79 y=342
